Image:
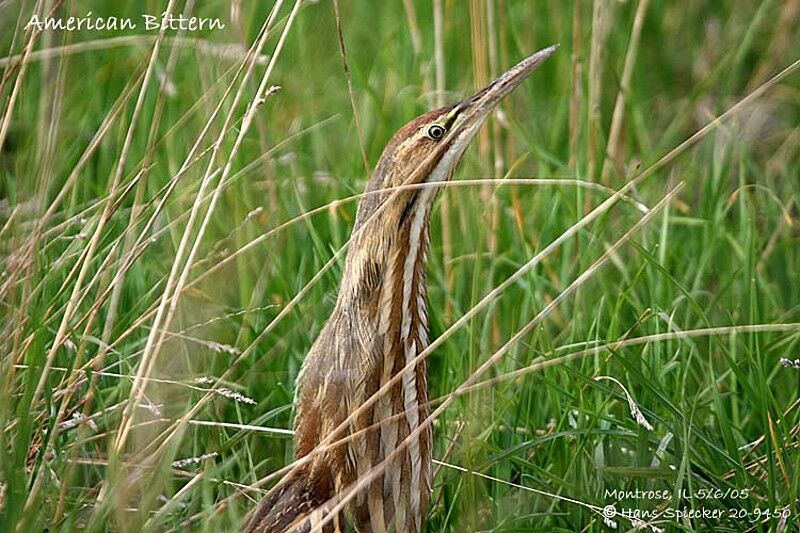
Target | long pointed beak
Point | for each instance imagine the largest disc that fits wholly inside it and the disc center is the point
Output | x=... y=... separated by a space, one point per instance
x=464 y=119
x=481 y=103
x=471 y=113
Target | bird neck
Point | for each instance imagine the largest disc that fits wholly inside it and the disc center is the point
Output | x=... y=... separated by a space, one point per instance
x=385 y=275
x=404 y=296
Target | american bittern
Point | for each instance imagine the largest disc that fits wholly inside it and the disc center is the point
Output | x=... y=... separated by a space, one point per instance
x=379 y=325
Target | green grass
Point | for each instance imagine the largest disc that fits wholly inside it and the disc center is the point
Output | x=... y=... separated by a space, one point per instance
x=724 y=252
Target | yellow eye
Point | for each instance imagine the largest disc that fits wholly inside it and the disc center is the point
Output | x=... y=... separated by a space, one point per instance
x=435 y=131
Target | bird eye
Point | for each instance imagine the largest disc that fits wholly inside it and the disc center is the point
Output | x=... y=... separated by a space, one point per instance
x=435 y=131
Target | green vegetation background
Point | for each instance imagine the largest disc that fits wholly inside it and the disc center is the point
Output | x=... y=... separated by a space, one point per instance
x=723 y=253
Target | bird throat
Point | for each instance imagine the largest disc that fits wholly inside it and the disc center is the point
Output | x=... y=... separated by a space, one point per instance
x=403 y=328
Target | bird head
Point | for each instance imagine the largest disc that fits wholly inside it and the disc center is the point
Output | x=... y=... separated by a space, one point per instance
x=424 y=151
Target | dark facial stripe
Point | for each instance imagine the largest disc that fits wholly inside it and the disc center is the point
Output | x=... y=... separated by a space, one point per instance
x=407 y=210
